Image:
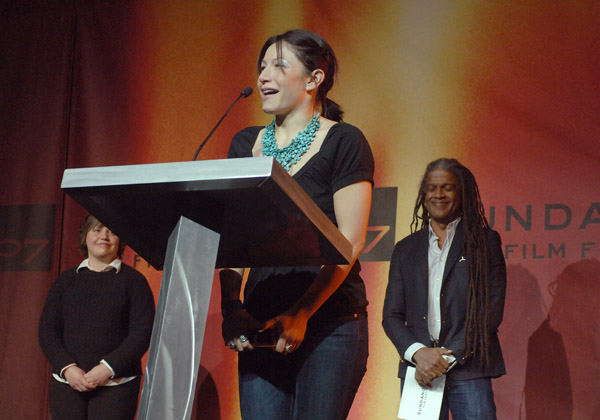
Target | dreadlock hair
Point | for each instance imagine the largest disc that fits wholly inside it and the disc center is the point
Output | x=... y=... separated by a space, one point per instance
x=475 y=224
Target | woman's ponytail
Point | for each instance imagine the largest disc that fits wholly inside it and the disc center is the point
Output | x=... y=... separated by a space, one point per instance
x=332 y=110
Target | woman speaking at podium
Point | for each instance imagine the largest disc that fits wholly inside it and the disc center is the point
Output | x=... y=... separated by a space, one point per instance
x=317 y=315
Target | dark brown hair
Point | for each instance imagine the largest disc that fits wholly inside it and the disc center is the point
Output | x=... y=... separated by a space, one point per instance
x=314 y=53
x=89 y=223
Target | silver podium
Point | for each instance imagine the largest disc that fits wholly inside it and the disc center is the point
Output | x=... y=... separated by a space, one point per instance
x=188 y=218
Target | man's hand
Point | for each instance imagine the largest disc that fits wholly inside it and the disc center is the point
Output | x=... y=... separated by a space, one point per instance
x=75 y=376
x=430 y=364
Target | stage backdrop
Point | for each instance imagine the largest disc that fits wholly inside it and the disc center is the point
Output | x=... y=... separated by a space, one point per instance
x=511 y=89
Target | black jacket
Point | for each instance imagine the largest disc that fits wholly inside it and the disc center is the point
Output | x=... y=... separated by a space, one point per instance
x=406 y=302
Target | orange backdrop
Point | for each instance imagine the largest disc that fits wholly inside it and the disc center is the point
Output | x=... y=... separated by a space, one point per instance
x=509 y=88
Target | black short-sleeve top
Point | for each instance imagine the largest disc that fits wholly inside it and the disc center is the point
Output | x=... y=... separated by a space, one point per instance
x=344 y=158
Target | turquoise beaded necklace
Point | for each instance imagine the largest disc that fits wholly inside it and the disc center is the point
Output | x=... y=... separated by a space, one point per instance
x=291 y=153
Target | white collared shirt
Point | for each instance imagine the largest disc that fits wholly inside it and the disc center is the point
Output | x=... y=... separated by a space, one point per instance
x=436 y=259
x=114 y=264
x=437 y=262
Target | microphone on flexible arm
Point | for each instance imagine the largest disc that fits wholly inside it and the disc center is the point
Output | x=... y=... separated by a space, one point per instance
x=244 y=94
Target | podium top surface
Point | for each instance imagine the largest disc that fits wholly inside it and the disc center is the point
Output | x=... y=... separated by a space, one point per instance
x=263 y=216
x=203 y=171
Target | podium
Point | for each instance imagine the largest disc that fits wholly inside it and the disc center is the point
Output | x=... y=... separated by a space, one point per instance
x=188 y=218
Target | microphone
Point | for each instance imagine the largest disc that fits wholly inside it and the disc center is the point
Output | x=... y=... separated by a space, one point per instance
x=244 y=94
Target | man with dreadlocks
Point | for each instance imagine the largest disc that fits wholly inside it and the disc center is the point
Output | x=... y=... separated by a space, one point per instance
x=445 y=296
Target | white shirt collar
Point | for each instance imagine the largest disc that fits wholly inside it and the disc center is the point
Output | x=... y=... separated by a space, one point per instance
x=450 y=229
x=114 y=264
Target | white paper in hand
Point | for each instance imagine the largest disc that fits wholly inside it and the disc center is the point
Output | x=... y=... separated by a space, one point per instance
x=418 y=403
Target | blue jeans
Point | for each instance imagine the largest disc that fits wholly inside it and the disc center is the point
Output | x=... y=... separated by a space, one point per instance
x=317 y=381
x=469 y=400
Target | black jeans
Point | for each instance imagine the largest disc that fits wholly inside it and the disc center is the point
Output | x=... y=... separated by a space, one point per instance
x=105 y=402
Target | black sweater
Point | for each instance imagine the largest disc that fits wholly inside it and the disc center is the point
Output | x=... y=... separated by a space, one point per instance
x=90 y=316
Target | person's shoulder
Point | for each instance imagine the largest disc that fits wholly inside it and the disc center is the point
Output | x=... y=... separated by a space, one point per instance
x=137 y=288
x=411 y=240
x=249 y=131
x=67 y=274
x=243 y=142
x=420 y=234
x=344 y=137
x=491 y=232
x=131 y=272
x=493 y=236
x=65 y=279
x=247 y=135
x=346 y=130
x=135 y=281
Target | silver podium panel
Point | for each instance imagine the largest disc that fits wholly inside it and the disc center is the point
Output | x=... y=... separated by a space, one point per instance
x=179 y=324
